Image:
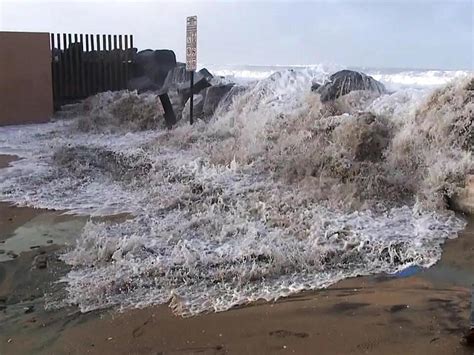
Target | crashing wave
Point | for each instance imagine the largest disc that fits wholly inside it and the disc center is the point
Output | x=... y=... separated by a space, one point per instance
x=279 y=193
x=120 y=111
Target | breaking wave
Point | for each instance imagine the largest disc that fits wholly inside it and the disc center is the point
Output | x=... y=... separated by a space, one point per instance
x=278 y=193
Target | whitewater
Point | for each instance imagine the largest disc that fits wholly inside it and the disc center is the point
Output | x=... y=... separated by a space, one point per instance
x=275 y=195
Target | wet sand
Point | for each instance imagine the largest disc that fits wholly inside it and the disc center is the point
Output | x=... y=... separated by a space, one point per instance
x=426 y=313
x=10 y=216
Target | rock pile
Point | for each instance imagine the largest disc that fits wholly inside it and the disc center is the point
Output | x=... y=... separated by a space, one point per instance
x=158 y=71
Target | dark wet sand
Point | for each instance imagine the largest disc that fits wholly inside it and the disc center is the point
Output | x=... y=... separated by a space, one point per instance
x=10 y=216
x=422 y=314
x=5 y=160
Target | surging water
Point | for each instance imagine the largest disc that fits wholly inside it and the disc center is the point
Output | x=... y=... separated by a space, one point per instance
x=276 y=195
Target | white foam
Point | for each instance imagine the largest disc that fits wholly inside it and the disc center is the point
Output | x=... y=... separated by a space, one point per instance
x=418 y=79
x=393 y=79
x=215 y=226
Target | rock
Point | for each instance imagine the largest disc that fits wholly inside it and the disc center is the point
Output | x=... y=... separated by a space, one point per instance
x=468 y=338
x=40 y=261
x=142 y=84
x=29 y=309
x=345 y=81
x=180 y=79
x=315 y=86
x=176 y=102
x=154 y=65
x=12 y=254
x=177 y=75
x=464 y=200
x=214 y=96
x=201 y=82
x=50 y=241
x=228 y=99
x=398 y=307
x=158 y=71
x=198 y=104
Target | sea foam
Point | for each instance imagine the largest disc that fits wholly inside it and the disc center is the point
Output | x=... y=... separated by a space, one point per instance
x=275 y=195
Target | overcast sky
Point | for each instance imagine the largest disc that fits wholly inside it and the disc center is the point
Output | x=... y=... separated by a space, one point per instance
x=389 y=34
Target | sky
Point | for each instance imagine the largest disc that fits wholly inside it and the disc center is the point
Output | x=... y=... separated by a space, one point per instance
x=425 y=34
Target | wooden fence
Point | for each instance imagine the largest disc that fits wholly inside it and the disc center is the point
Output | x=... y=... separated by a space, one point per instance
x=86 y=64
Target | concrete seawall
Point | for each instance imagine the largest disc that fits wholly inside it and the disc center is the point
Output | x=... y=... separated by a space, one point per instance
x=25 y=78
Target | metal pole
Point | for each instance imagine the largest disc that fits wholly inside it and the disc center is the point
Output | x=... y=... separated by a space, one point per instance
x=191 y=99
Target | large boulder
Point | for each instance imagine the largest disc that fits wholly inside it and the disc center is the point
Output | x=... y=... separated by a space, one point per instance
x=198 y=105
x=153 y=65
x=463 y=201
x=179 y=79
x=142 y=84
x=345 y=81
x=176 y=76
x=226 y=102
x=206 y=103
x=202 y=80
x=214 y=95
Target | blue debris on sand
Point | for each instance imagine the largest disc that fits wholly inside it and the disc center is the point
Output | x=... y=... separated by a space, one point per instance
x=409 y=271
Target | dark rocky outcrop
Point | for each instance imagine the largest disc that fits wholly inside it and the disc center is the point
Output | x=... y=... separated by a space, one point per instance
x=198 y=105
x=159 y=72
x=315 y=86
x=142 y=83
x=202 y=80
x=214 y=95
x=209 y=100
x=153 y=65
x=345 y=81
x=149 y=73
x=228 y=99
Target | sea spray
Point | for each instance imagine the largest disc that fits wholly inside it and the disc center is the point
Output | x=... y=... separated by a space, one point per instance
x=277 y=194
x=120 y=111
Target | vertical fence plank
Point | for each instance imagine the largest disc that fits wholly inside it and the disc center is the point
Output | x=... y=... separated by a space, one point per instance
x=82 y=66
x=110 y=82
x=98 y=64
x=70 y=66
x=65 y=67
x=93 y=77
x=104 y=63
x=127 y=58
x=77 y=75
x=59 y=78
x=87 y=67
x=131 y=46
x=120 y=60
x=113 y=54
x=54 y=72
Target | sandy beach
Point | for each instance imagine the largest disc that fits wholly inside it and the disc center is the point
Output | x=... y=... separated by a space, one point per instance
x=425 y=313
